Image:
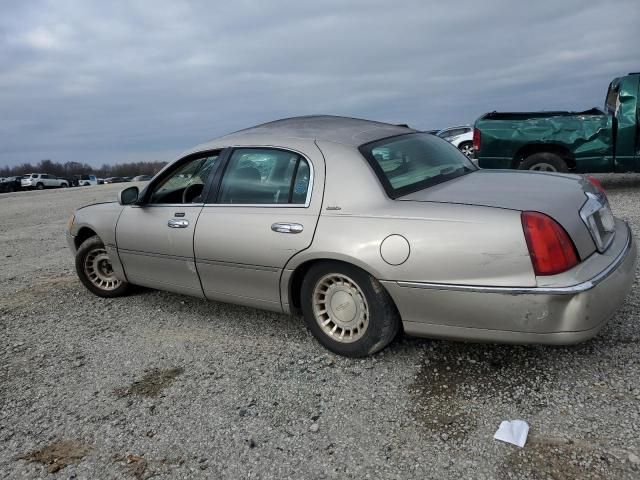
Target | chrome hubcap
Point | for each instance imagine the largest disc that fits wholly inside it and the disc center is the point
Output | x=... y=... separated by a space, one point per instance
x=467 y=150
x=340 y=308
x=99 y=271
x=543 y=167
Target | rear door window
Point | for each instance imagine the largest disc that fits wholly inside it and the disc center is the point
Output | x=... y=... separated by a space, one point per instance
x=265 y=176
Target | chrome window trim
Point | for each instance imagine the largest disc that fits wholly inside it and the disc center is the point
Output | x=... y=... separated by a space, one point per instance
x=569 y=290
x=172 y=205
x=307 y=202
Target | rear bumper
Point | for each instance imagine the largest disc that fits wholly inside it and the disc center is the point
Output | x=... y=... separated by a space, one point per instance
x=554 y=313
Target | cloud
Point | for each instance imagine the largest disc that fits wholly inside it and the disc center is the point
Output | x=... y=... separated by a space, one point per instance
x=107 y=81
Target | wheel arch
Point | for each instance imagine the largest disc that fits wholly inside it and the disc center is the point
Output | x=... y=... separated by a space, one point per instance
x=533 y=148
x=83 y=234
x=292 y=283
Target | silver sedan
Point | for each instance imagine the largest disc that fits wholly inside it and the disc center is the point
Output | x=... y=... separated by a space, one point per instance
x=366 y=229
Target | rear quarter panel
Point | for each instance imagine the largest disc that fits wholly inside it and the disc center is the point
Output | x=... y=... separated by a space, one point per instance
x=457 y=244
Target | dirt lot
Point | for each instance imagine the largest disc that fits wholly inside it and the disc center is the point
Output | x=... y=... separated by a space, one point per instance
x=161 y=385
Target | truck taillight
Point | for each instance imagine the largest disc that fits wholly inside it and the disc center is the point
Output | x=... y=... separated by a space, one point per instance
x=550 y=248
x=476 y=139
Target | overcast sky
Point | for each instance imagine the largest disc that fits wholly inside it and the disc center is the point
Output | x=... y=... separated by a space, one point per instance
x=112 y=81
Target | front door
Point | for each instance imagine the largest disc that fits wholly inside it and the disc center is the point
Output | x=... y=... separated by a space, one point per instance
x=155 y=238
x=265 y=211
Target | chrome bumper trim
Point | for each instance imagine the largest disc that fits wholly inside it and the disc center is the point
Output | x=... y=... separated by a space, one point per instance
x=570 y=290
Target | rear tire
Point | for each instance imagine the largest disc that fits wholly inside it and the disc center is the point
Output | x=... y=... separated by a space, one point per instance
x=466 y=148
x=95 y=272
x=347 y=310
x=40 y=186
x=544 y=162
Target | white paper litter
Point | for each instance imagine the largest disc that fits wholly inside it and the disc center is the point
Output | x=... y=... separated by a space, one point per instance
x=513 y=431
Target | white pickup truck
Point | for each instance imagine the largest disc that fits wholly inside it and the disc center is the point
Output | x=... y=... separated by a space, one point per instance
x=40 y=181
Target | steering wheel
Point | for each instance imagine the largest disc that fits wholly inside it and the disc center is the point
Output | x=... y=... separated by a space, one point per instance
x=191 y=192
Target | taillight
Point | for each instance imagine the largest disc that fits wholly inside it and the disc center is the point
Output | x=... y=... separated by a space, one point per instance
x=550 y=248
x=476 y=139
x=596 y=183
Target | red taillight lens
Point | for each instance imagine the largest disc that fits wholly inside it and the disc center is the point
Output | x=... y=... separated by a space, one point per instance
x=476 y=139
x=596 y=183
x=550 y=248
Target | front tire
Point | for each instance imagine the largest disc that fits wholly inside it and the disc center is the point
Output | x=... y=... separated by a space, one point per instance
x=40 y=186
x=544 y=162
x=347 y=310
x=95 y=271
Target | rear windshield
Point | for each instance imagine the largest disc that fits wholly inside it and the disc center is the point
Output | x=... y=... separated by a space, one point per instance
x=411 y=162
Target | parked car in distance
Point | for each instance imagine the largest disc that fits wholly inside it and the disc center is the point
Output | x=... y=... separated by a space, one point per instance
x=589 y=141
x=449 y=133
x=40 y=181
x=142 y=178
x=364 y=228
x=10 y=184
x=115 y=180
x=86 y=180
x=101 y=181
x=464 y=143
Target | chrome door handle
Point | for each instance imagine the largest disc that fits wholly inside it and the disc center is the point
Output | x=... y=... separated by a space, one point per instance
x=178 y=223
x=287 y=227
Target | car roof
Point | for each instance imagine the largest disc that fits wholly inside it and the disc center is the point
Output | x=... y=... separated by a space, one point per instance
x=344 y=130
x=453 y=128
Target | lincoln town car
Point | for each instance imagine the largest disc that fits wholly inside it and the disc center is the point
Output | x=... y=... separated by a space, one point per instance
x=366 y=229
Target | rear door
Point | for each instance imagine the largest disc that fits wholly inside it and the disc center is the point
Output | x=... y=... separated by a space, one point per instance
x=264 y=211
x=155 y=239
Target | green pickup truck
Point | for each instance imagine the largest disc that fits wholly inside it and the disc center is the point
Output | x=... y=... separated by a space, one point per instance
x=590 y=141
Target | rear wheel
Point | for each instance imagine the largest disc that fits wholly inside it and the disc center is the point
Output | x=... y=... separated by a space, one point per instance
x=348 y=310
x=95 y=271
x=544 y=162
x=40 y=186
x=466 y=148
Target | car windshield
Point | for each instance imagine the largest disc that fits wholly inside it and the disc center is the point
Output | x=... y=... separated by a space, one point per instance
x=409 y=163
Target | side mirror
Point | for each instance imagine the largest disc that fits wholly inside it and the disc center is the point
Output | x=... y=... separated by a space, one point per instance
x=128 y=196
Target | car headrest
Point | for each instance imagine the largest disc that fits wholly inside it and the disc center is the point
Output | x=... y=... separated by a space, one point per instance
x=247 y=173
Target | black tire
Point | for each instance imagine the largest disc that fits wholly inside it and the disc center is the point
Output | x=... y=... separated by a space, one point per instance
x=383 y=318
x=64 y=185
x=40 y=186
x=544 y=162
x=89 y=247
x=466 y=148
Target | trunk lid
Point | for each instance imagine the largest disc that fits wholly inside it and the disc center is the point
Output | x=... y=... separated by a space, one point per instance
x=560 y=196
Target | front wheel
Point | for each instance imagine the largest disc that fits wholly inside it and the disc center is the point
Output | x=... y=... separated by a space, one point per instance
x=95 y=270
x=40 y=186
x=348 y=310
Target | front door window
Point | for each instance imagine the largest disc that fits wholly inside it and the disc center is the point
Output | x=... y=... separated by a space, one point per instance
x=185 y=184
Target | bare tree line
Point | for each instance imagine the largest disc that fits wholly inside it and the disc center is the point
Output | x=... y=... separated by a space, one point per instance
x=70 y=169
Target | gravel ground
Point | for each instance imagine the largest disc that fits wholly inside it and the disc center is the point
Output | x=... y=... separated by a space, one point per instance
x=161 y=385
